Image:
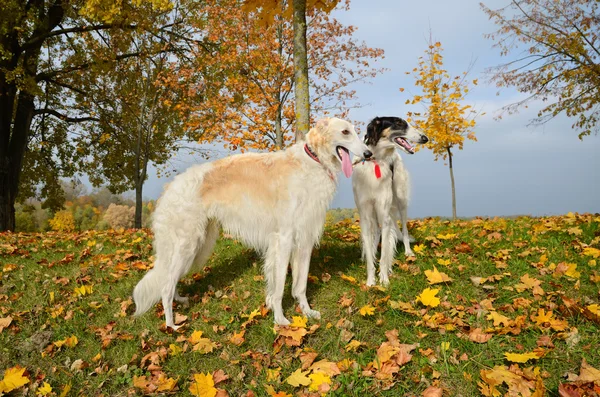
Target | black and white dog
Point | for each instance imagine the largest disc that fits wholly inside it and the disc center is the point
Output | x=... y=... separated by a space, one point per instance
x=381 y=191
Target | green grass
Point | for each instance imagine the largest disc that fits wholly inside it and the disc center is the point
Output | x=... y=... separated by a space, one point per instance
x=36 y=266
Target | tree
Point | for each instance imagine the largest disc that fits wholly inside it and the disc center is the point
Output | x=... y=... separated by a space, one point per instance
x=252 y=105
x=140 y=122
x=445 y=120
x=45 y=46
x=271 y=8
x=558 y=59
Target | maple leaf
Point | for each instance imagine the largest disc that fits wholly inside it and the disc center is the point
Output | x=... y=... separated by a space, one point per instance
x=498 y=319
x=271 y=392
x=5 y=322
x=367 y=310
x=590 y=251
x=353 y=345
x=71 y=341
x=299 y=321
x=432 y=391
x=588 y=373
x=44 y=390
x=448 y=236
x=328 y=367
x=203 y=386
x=238 y=337
x=428 y=297
x=83 y=290
x=350 y=279
x=521 y=357
x=174 y=349
x=317 y=380
x=444 y=262
x=418 y=248
x=13 y=379
x=298 y=378
x=435 y=277
x=478 y=336
x=273 y=374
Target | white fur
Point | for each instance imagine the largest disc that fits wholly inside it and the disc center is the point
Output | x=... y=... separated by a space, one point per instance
x=186 y=223
x=381 y=202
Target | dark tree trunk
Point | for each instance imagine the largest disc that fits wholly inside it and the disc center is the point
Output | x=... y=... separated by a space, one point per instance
x=15 y=123
x=301 y=70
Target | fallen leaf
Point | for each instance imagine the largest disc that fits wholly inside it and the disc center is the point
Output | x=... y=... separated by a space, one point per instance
x=13 y=379
x=298 y=378
x=521 y=357
x=203 y=386
x=436 y=277
x=428 y=297
x=367 y=310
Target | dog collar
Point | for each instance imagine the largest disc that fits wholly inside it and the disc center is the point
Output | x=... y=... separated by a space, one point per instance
x=377 y=169
x=313 y=156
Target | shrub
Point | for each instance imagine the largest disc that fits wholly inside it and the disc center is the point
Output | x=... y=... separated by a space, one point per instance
x=63 y=221
x=119 y=216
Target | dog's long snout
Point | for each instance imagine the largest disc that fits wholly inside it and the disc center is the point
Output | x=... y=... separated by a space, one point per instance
x=424 y=139
x=367 y=154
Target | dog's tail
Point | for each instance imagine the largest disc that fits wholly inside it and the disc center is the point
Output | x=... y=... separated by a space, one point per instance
x=148 y=291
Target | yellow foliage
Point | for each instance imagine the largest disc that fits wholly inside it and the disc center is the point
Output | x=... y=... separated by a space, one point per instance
x=63 y=221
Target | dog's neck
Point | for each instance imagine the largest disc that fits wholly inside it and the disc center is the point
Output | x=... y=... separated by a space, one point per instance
x=317 y=148
x=382 y=154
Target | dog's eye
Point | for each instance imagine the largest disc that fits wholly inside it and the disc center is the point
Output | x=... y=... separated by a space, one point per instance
x=345 y=132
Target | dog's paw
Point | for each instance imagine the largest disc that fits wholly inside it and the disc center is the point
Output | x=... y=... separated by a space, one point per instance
x=310 y=313
x=371 y=282
x=174 y=327
x=409 y=253
x=183 y=299
x=384 y=280
x=281 y=320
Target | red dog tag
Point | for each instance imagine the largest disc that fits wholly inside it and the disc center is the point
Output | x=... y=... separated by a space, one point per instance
x=377 y=171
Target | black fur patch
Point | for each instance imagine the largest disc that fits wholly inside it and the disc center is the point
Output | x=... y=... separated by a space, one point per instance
x=380 y=124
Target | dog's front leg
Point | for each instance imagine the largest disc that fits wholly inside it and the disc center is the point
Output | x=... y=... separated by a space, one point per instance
x=300 y=267
x=276 y=262
x=368 y=231
x=388 y=249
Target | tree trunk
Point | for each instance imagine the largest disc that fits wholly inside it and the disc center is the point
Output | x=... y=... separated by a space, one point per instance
x=278 y=129
x=301 y=70
x=452 y=183
x=138 y=204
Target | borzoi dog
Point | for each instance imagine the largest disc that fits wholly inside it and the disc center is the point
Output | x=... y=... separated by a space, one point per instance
x=381 y=192
x=273 y=202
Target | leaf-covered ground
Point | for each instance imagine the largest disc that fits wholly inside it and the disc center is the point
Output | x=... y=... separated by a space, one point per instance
x=487 y=307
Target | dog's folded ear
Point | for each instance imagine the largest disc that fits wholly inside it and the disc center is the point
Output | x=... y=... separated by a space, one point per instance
x=373 y=131
x=322 y=124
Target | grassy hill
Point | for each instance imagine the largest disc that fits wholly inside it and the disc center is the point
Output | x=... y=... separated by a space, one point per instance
x=528 y=286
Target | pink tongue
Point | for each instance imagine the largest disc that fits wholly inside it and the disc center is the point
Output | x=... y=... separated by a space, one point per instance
x=346 y=164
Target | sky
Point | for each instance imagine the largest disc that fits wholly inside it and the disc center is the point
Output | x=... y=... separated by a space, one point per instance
x=513 y=168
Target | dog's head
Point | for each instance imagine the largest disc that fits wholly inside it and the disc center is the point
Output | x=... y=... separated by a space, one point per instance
x=333 y=140
x=393 y=131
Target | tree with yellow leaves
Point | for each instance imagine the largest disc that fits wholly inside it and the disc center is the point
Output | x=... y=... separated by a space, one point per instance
x=445 y=120
x=558 y=61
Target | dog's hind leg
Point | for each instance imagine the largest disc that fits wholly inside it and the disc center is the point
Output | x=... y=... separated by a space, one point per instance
x=300 y=267
x=368 y=231
x=405 y=236
x=181 y=262
x=204 y=252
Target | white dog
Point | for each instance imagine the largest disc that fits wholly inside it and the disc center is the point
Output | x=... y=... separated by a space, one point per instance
x=381 y=192
x=273 y=202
